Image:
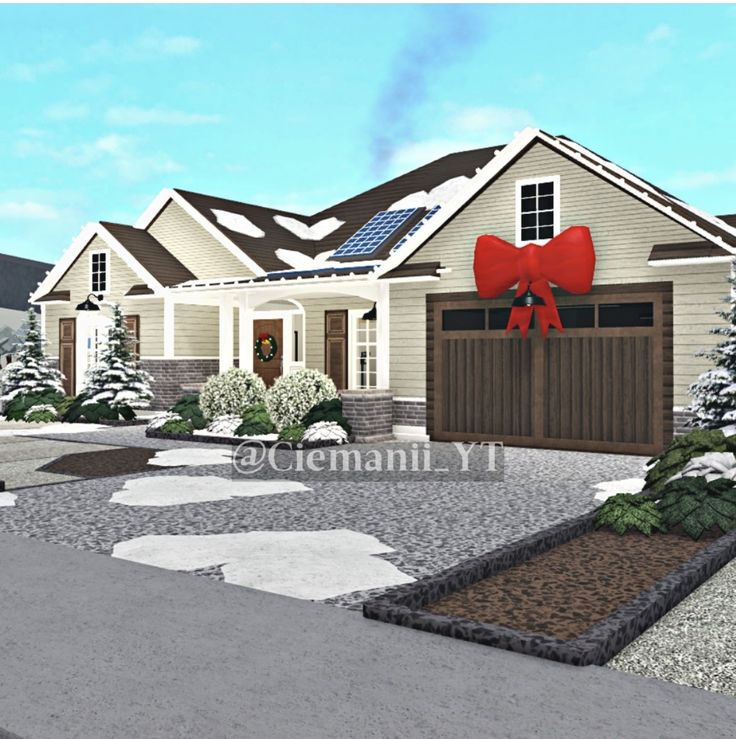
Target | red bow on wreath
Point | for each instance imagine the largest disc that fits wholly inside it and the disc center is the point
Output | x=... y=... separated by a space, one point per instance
x=568 y=260
x=264 y=337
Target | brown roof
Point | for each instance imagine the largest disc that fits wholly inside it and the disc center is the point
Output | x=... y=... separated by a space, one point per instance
x=64 y=295
x=151 y=254
x=139 y=290
x=414 y=269
x=688 y=250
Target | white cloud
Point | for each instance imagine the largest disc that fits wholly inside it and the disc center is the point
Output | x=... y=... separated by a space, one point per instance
x=30 y=72
x=151 y=44
x=66 y=111
x=661 y=33
x=27 y=210
x=121 y=154
x=716 y=49
x=703 y=178
x=135 y=116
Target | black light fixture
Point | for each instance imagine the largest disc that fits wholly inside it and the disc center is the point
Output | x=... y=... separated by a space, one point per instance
x=371 y=314
x=527 y=300
x=88 y=304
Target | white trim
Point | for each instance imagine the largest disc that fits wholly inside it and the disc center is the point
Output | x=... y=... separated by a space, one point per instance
x=410 y=433
x=169 y=327
x=91 y=253
x=518 y=184
x=355 y=315
x=159 y=203
x=383 y=336
x=687 y=261
x=225 y=336
x=404 y=399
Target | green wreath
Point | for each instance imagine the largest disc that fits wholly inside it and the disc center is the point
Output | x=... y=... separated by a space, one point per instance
x=266 y=347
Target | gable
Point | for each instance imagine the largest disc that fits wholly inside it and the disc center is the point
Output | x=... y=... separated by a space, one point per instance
x=193 y=246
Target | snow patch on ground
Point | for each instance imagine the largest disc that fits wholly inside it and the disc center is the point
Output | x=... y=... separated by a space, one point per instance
x=238 y=222
x=439 y=195
x=191 y=457
x=261 y=437
x=614 y=487
x=53 y=429
x=180 y=490
x=7 y=500
x=302 y=564
x=315 y=232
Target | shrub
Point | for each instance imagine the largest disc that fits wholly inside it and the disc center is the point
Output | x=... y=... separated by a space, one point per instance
x=711 y=466
x=624 y=512
x=292 y=433
x=17 y=408
x=325 y=431
x=189 y=409
x=177 y=426
x=84 y=410
x=158 y=421
x=293 y=395
x=681 y=450
x=327 y=410
x=43 y=413
x=64 y=404
x=224 y=425
x=256 y=421
x=231 y=393
x=699 y=505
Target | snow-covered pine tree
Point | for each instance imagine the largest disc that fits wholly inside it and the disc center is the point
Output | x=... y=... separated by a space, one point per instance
x=30 y=373
x=115 y=380
x=714 y=393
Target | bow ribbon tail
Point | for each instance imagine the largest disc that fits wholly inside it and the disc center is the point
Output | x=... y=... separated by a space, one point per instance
x=520 y=316
x=547 y=314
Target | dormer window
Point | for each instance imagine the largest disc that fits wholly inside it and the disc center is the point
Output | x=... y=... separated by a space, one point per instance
x=537 y=209
x=99 y=271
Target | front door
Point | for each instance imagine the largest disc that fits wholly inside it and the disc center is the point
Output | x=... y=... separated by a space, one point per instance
x=270 y=369
x=67 y=362
x=336 y=347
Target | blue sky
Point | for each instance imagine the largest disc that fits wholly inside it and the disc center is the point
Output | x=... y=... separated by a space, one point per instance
x=300 y=106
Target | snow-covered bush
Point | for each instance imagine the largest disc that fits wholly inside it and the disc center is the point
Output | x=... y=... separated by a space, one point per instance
x=293 y=395
x=224 y=425
x=30 y=373
x=177 y=426
x=158 y=421
x=44 y=413
x=231 y=393
x=326 y=431
x=116 y=380
x=710 y=466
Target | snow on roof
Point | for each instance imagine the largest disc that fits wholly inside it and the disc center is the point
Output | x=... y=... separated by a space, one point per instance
x=443 y=193
x=297 y=260
x=315 y=232
x=237 y=222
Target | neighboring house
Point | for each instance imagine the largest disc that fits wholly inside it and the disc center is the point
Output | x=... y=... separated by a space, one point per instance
x=18 y=279
x=394 y=306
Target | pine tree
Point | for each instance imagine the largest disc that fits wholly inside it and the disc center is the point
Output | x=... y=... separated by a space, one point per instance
x=30 y=373
x=115 y=380
x=714 y=393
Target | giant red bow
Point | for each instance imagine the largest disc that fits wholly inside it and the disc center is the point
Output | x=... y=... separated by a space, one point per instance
x=568 y=260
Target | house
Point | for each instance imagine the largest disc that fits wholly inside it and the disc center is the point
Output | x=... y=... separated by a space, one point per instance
x=378 y=291
x=19 y=277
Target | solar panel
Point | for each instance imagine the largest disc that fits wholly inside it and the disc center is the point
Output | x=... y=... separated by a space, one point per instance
x=415 y=228
x=374 y=233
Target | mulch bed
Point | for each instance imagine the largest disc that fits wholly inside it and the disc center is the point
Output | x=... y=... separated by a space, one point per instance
x=108 y=463
x=561 y=593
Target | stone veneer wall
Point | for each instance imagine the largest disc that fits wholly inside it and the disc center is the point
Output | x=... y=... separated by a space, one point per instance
x=679 y=418
x=173 y=377
x=410 y=413
x=370 y=413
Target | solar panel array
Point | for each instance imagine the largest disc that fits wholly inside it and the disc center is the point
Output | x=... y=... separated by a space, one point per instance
x=415 y=228
x=374 y=233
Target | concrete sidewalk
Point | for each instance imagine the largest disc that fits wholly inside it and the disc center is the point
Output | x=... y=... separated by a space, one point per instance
x=97 y=647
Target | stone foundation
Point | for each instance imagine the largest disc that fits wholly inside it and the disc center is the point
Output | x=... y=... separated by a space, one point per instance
x=410 y=413
x=173 y=378
x=370 y=413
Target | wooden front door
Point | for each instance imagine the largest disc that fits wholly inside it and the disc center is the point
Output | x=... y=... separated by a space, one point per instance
x=336 y=347
x=67 y=353
x=604 y=384
x=272 y=369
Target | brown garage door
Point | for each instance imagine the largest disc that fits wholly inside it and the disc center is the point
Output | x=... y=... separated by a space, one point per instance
x=605 y=384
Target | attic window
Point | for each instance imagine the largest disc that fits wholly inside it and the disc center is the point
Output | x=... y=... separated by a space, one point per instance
x=537 y=209
x=99 y=271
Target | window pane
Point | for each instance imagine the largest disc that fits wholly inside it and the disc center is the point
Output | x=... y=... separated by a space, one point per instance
x=464 y=320
x=528 y=234
x=528 y=219
x=498 y=318
x=615 y=315
x=577 y=316
x=528 y=191
x=546 y=188
x=546 y=203
x=528 y=205
x=546 y=218
x=546 y=232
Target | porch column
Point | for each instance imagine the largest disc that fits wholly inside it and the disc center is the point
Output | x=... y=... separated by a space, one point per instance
x=226 y=333
x=383 y=336
x=169 y=327
x=245 y=333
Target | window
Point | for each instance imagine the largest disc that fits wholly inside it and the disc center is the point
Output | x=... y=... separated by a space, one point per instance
x=537 y=209
x=362 y=352
x=615 y=315
x=99 y=272
x=472 y=319
x=577 y=316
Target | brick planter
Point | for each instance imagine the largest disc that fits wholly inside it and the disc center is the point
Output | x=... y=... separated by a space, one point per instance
x=173 y=378
x=370 y=413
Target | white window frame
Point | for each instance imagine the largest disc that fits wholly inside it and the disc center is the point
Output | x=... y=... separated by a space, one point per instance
x=353 y=360
x=106 y=252
x=555 y=180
